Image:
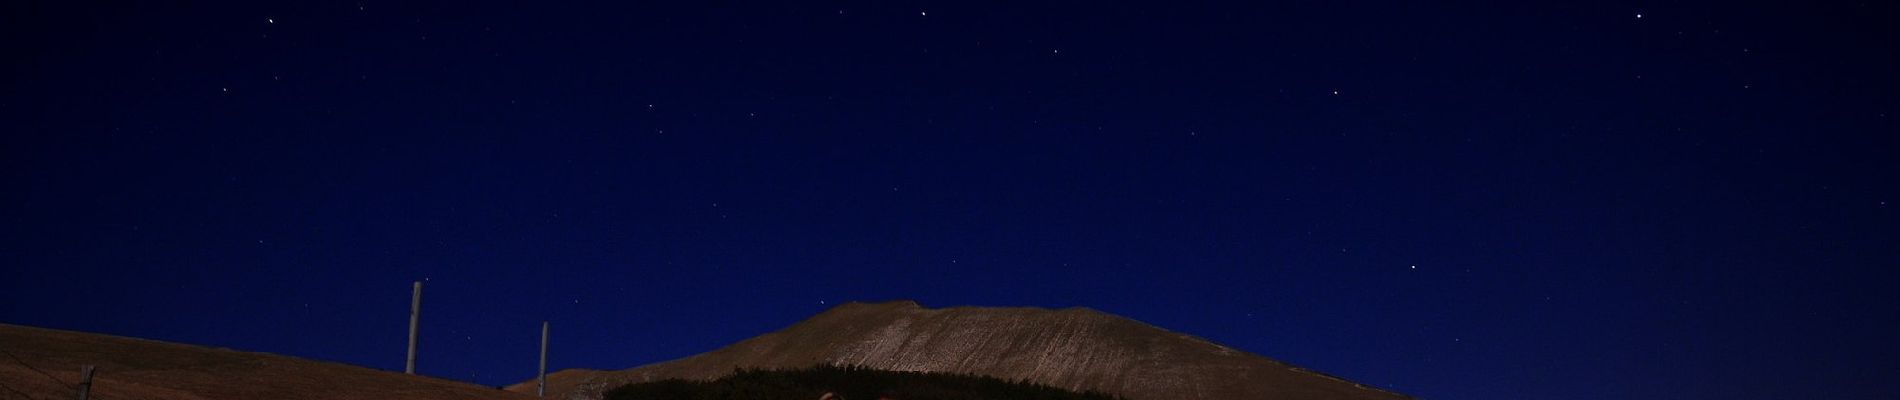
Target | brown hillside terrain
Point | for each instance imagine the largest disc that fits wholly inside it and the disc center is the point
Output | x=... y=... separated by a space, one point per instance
x=1075 y=349
x=129 y=368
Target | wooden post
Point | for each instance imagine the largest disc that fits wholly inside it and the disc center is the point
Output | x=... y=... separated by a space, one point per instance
x=415 y=319
x=542 y=390
x=85 y=382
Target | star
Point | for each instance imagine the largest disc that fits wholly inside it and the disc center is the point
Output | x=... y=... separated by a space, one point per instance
x=1639 y=15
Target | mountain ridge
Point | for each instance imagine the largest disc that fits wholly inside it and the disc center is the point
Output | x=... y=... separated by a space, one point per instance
x=1075 y=348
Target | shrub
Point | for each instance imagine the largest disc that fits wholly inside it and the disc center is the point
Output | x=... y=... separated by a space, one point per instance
x=848 y=382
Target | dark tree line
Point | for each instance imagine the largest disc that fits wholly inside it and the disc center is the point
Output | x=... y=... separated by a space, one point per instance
x=846 y=383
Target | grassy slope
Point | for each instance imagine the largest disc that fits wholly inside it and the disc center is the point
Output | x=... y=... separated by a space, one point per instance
x=131 y=368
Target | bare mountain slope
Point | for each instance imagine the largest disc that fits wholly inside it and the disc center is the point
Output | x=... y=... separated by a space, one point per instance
x=1075 y=348
x=44 y=363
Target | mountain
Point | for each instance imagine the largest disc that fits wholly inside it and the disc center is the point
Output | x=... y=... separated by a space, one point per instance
x=1074 y=348
x=44 y=364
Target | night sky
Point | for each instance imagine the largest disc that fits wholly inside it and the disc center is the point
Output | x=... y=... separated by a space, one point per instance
x=1646 y=200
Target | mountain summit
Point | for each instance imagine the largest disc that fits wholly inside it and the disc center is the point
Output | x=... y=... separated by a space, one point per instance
x=1072 y=348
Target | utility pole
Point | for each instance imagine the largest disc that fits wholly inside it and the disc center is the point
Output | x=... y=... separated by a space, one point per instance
x=85 y=382
x=542 y=390
x=415 y=319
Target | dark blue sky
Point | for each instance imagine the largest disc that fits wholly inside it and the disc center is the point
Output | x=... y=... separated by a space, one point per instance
x=1648 y=200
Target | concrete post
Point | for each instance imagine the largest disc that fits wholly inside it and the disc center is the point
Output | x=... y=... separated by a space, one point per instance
x=85 y=382
x=415 y=320
x=542 y=390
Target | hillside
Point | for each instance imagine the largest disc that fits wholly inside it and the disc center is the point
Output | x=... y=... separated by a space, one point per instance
x=1074 y=349
x=129 y=368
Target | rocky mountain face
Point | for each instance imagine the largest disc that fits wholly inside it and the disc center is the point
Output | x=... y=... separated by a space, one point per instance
x=44 y=364
x=1074 y=348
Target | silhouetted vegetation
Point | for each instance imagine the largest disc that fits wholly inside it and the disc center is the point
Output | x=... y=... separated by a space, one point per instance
x=847 y=383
